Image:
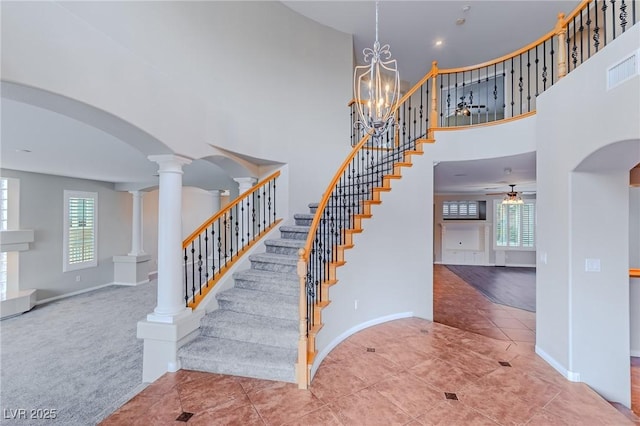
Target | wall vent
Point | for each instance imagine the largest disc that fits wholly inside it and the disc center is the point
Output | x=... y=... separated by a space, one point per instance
x=622 y=71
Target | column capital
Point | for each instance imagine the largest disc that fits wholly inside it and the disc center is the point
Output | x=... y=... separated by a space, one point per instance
x=170 y=163
x=246 y=180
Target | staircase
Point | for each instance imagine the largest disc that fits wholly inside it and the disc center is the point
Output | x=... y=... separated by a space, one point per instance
x=255 y=330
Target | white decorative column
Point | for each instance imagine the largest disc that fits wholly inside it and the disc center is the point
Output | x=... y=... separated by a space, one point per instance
x=215 y=193
x=171 y=324
x=133 y=269
x=244 y=228
x=170 y=303
x=136 y=229
x=245 y=183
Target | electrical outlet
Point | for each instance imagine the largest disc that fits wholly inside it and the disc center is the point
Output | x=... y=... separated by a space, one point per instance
x=77 y=278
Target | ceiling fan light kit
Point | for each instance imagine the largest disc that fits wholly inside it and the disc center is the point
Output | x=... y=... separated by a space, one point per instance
x=512 y=197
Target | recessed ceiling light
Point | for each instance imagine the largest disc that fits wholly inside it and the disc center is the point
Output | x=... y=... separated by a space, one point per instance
x=438 y=43
x=23 y=150
x=466 y=8
x=460 y=21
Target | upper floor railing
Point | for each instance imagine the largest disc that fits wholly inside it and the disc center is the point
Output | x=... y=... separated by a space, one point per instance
x=219 y=242
x=507 y=87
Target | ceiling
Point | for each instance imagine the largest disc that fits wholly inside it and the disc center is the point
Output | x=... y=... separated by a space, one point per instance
x=408 y=26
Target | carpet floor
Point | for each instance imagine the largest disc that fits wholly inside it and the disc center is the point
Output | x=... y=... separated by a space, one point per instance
x=515 y=287
x=78 y=356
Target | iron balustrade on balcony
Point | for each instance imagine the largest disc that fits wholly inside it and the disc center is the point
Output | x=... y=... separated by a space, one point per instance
x=220 y=241
x=591 y=28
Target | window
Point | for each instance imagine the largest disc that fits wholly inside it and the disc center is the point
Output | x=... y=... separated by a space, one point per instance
x=4 y=220
x=460 y=210
x=80 y=226
x=515 y=225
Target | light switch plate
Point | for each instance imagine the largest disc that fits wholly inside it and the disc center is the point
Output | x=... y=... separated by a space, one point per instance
x=592 y=265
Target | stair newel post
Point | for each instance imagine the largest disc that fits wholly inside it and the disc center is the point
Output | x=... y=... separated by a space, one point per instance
x=302 y=367
x=434 y=99
x=561 y=32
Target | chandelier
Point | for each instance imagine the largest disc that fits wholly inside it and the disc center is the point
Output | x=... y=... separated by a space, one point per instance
x=376 y=87
x=512 y=197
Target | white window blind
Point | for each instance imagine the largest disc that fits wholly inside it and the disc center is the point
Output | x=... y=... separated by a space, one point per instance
x=515 y=225
x=4 y=219
x=460 y=210
x=80 y=230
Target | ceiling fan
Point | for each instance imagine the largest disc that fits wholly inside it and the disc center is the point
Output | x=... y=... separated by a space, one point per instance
x=510 y=197
x=464 y=108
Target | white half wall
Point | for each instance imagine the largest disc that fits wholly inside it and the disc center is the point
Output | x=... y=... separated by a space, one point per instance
x=588 y=138
x=634 y=262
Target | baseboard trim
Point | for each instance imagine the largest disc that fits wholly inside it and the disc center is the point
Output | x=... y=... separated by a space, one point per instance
x=131 y=284
x=74 y=293
x=335 y=342
x=635 y=353
x=569 y=375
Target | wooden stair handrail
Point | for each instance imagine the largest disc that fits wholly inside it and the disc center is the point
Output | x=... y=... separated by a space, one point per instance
x=226 y=209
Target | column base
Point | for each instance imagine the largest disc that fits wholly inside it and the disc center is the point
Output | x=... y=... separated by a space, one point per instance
x=131 y=270
x=169 y=319
x=162 y=341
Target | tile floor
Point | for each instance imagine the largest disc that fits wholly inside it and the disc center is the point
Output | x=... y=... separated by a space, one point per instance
x=406 y=372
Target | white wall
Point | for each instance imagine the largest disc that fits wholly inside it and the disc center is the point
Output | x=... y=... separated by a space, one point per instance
x=634 y=262
x=386 y=278
x=252 y=77
x=577 y=310
x=42 y=208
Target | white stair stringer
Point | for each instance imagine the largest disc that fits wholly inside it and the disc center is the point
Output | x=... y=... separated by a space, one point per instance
x=255 y=330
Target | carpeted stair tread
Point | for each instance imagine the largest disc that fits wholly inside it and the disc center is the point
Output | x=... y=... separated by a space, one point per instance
x=251 y=328
x=274 y=262
x=268 y=281
x=259 y=303
x=284 y=246
x=226 y=356
x=295 y=228
x=295 y=232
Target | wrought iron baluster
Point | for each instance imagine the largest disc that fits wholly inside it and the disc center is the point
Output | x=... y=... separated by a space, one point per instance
x=552 y=60
x=186 y=278
x=529 y=80
x=520 y=82
x=574 y=49
x=512 y=89
x=596 y=30
x=199 y=266
x=613 y=19
x=623 y=15
x=604 y=21
x=544 y=65
x=193 y=271
x=589 y=22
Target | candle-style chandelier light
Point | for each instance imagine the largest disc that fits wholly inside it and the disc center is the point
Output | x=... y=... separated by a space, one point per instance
x=376 y=87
